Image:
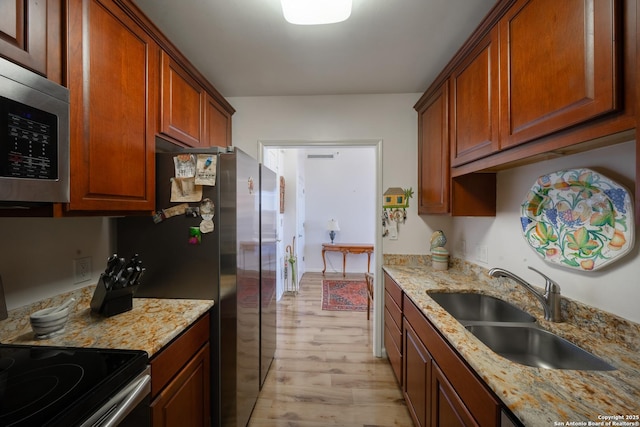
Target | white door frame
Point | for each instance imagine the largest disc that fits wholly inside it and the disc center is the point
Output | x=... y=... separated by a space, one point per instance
x=378 y=288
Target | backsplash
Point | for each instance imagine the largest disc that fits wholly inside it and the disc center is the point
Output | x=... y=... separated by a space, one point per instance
x=606 y=325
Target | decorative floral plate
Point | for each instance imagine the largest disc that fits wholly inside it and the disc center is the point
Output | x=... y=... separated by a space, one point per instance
x=578 y=218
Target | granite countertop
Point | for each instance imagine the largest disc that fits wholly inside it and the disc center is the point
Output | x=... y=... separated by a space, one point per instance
x=538 y=397
x=149 y=326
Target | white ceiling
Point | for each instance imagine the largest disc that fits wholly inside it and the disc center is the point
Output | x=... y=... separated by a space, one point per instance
x=246 y=48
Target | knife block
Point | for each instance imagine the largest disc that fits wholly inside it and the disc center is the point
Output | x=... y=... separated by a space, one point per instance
x=109 y=302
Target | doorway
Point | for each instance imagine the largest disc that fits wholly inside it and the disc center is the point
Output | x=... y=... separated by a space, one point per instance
x=309 y=229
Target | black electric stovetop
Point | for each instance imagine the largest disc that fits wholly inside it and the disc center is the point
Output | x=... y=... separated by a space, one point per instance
x=61 y=386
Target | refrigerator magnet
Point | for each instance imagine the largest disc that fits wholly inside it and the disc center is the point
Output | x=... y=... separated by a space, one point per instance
x=195 y=236
x=206 y=226
x=207 y=209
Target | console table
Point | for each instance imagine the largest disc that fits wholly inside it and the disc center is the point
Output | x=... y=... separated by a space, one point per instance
x=347 y=248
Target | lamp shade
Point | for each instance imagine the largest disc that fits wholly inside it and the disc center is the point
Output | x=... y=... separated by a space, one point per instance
x=333 y=225
x=315 y=12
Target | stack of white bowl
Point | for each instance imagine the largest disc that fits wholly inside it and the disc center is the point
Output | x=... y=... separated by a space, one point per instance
x=50 y=320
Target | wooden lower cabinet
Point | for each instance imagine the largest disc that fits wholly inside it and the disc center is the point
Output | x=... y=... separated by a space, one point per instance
x=447 y=409
x=181 y=379
x=393 y=348
x=417 y=377
x=439 y=387
x=393 y=335
x=185 y=401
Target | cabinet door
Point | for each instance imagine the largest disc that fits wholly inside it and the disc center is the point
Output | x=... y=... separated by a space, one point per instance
x=475 y=103
x=217 y=124
x=185 y=401
x=447 y=409
x=433 y=154
x=182 y=104
x=31 y=33
x=113 y=70
x=540 y=95
x=417 y=376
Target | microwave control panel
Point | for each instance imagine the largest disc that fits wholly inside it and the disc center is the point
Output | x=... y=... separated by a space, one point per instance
x=28 y=142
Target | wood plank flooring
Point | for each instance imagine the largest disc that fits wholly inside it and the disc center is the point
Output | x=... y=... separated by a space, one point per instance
x=324 y=372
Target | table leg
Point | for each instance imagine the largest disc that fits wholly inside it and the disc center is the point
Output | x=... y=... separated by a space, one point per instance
x=324 y=262
x=368 y=261
x=344 y=264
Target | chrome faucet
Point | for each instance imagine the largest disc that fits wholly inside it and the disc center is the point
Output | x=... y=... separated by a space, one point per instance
x=551 y=298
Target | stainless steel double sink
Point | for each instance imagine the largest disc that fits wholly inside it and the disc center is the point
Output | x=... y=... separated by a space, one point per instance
x=514 y=334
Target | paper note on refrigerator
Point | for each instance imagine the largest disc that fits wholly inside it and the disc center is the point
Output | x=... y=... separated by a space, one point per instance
x=206 y=169
x=185 y=190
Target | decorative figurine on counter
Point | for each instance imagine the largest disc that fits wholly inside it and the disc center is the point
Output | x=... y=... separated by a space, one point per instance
x=439 y=255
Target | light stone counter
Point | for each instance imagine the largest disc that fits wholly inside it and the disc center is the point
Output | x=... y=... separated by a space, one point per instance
x=149 y=326
x=538 y=397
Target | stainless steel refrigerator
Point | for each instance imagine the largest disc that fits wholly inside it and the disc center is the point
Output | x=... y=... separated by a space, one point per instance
x=225 y=265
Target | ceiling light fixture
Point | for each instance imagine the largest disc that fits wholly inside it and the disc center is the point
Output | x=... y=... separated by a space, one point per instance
x=315 y=12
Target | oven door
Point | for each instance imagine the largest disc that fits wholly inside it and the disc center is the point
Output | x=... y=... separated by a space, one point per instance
x=129 y=407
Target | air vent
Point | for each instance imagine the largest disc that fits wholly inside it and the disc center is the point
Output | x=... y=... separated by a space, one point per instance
x=319 y=156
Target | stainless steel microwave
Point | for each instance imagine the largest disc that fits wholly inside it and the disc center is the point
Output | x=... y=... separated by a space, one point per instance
x=34 y=137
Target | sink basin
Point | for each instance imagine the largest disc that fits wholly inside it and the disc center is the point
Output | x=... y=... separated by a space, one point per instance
x=532 y=346
x=467 y=307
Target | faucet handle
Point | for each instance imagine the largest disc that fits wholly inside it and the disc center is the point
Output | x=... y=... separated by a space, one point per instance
x=550 y=285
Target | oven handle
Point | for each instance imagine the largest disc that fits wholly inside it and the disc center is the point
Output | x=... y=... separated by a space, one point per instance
x=119 y=406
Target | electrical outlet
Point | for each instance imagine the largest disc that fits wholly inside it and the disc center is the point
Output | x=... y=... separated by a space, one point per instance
x=81 y=269
x=482 y=254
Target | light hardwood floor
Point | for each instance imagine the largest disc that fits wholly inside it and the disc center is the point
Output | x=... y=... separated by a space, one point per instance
x=324 y=372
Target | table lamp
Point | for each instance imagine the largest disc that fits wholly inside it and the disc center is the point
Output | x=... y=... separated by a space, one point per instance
x=332 y=226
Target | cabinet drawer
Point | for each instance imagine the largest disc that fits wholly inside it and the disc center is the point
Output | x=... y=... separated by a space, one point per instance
x=394 y=290
x=394 y=311
x=463 y=379
x=166 y=364
x=394 y=354
x=394 y=330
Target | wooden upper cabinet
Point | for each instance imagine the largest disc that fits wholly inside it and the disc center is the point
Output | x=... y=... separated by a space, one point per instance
x=31 y=35
x=433 y=153
x=217 y=124
x=113 y=75
x=475 y=103
x=182 y=102
x=559 y=66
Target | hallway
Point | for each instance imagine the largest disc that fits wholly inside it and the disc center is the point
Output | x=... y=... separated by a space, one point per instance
x=324 y=372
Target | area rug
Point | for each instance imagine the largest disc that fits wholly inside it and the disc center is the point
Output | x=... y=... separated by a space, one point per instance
x=344 y=295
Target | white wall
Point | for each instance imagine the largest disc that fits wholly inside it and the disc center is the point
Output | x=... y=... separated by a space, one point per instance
x=36 y=255
x=390 y=118
x=342 y=188
x=614 y=288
